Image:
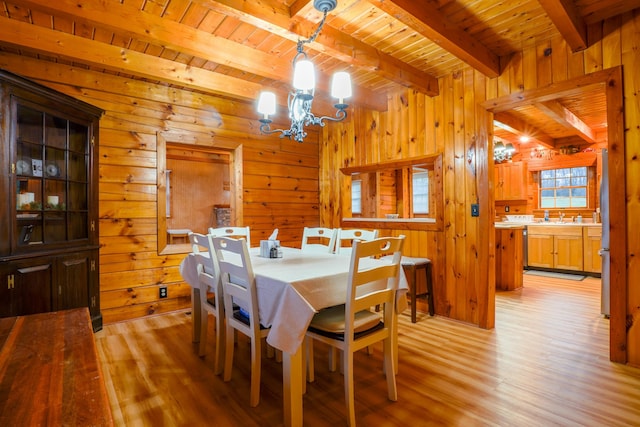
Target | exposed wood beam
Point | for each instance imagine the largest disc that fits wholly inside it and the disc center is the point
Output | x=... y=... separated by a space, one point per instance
x=566 y=118
x=593 y=12
x=424 y=18
x=519 y=127
x=271 y=16
x=568 y=21
x=159 y=31
x=300 y=7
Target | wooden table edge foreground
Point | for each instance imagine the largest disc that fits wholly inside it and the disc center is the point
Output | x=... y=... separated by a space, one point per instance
x=49 y=371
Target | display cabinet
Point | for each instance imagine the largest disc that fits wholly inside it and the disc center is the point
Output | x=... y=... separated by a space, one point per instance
x=48 y=222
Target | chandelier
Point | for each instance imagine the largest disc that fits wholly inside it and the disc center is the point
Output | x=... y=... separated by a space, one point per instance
x=301 y=97
x=502 y=152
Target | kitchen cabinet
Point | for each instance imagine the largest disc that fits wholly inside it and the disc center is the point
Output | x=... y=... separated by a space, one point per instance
x=509 y=245
x=49 y=215
x=592 y=238
x=555 y=247
x=511 y=181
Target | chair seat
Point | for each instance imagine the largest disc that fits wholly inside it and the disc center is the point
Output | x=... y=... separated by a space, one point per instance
x=331 y=321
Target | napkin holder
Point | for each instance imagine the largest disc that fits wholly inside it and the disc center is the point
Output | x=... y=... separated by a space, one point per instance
x=267 y=245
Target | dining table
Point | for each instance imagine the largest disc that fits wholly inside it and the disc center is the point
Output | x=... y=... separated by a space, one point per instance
x=290 y=290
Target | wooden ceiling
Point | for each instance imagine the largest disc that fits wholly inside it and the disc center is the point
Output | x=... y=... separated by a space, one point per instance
x=235 y=48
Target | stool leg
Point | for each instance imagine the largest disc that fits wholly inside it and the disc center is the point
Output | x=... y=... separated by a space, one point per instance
x=430 y=289
x=413 y=294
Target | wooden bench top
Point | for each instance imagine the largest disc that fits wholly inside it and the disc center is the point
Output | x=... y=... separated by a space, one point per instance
x=49 y=371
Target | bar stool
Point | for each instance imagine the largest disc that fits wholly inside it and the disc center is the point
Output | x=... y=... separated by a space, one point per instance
x=410 y=266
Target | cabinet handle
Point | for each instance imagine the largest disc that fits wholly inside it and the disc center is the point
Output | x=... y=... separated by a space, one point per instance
x=34 y=269
x=11 y=282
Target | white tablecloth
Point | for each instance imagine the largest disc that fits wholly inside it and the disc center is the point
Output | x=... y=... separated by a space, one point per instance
x=293 y=288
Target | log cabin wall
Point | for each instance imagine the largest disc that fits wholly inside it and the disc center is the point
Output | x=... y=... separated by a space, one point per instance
x=451 y=122
x=280 y=177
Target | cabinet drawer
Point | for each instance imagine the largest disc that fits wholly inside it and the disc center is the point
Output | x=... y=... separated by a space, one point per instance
x=555 y=230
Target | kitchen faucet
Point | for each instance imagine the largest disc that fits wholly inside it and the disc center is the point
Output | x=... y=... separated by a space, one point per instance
x=561 y=215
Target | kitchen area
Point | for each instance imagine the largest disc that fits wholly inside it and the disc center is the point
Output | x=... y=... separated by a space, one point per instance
x=550 y=208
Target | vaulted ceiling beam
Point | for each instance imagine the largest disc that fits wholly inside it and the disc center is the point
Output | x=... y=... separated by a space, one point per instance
x=270 y=16
x=155 y=30
x=58 y=44
x=519 y=127
x=424 y=18
x=568 y=21
x=566 y=118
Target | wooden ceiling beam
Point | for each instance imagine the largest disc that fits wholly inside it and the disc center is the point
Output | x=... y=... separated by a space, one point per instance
x=270 y=16
x=520 y=128
x=425 y=18
x=566 y=118
x=159 y=31
x=594 y=12
x=567 y=19
x=58 y=44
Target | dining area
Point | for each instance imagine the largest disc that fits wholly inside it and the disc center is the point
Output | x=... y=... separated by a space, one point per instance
x=347 y=297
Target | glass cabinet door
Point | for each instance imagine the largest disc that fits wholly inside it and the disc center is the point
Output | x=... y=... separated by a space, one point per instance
x=52 y=178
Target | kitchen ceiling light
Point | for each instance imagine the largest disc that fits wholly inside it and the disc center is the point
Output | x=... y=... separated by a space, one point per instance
x=301 y=97
x=502 y=152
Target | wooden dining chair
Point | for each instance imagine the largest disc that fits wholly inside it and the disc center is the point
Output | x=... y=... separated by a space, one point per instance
x=319 y=239
x=239 y=288
x=354 y=326
x=350 y=235
x=207 y=298
x=235 y=232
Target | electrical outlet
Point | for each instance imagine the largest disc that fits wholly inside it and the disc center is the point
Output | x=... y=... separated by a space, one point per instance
x=506 y=208
x=163 y=293
x=475 y=209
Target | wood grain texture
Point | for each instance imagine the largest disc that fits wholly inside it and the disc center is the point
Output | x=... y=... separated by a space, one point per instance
x=546 y=363
x=49 y=372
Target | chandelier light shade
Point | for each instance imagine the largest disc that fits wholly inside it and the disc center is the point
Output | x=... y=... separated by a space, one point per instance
x=301 y=97
x=502 y=152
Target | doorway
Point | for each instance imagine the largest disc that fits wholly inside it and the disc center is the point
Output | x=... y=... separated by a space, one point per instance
x=609 y=81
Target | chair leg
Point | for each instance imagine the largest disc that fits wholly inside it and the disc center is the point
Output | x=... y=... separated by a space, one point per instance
x=228 y=353
x=347 y=367
x=256 y=358
x=390 y=368
x=203 y=327
x=220 y=344
x=308 y=351
x=195 y=314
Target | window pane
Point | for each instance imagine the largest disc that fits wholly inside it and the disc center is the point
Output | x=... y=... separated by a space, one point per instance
x=356 y=196
x=569 y=189
x=420 y=192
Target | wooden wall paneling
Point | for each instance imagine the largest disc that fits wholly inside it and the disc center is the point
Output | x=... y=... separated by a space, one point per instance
x=630 y=53
x=611 y=44
x=544 y=64
x=593 y=54
x=463 y=285
x=559 y=59
x=516 y=76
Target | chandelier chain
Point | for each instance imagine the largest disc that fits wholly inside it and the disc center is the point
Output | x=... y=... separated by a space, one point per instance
x=313 y=37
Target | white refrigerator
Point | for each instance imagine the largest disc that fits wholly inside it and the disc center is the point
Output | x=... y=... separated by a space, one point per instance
x=604 y=246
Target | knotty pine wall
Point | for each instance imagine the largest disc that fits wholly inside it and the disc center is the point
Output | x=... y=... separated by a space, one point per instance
x=280 y=177
x=452 y=123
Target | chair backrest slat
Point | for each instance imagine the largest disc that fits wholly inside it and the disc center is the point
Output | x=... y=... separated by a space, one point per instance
x=235 y=232
x=352 y=235
x=319 y=239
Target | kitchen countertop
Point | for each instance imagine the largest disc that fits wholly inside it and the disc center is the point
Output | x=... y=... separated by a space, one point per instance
x=507 y=224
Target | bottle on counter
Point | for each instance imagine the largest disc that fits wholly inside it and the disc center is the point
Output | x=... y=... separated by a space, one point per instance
x=595 y=217
x=546 y=216
x=579 y=219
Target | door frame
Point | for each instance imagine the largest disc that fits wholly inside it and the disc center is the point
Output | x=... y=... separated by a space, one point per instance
x=610 y=80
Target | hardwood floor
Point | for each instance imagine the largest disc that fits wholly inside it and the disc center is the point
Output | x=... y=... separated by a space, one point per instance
x=545 y=363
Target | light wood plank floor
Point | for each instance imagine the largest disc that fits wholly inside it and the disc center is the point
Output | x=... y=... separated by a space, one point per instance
x=546 y=363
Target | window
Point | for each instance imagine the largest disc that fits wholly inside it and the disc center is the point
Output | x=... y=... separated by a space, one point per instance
x=420 y=190
x=564 y=188
x=356 y=196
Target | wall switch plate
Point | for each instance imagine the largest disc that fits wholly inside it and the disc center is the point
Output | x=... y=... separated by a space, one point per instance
x=475 y=209
x=506 y=208
x=163 y=293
